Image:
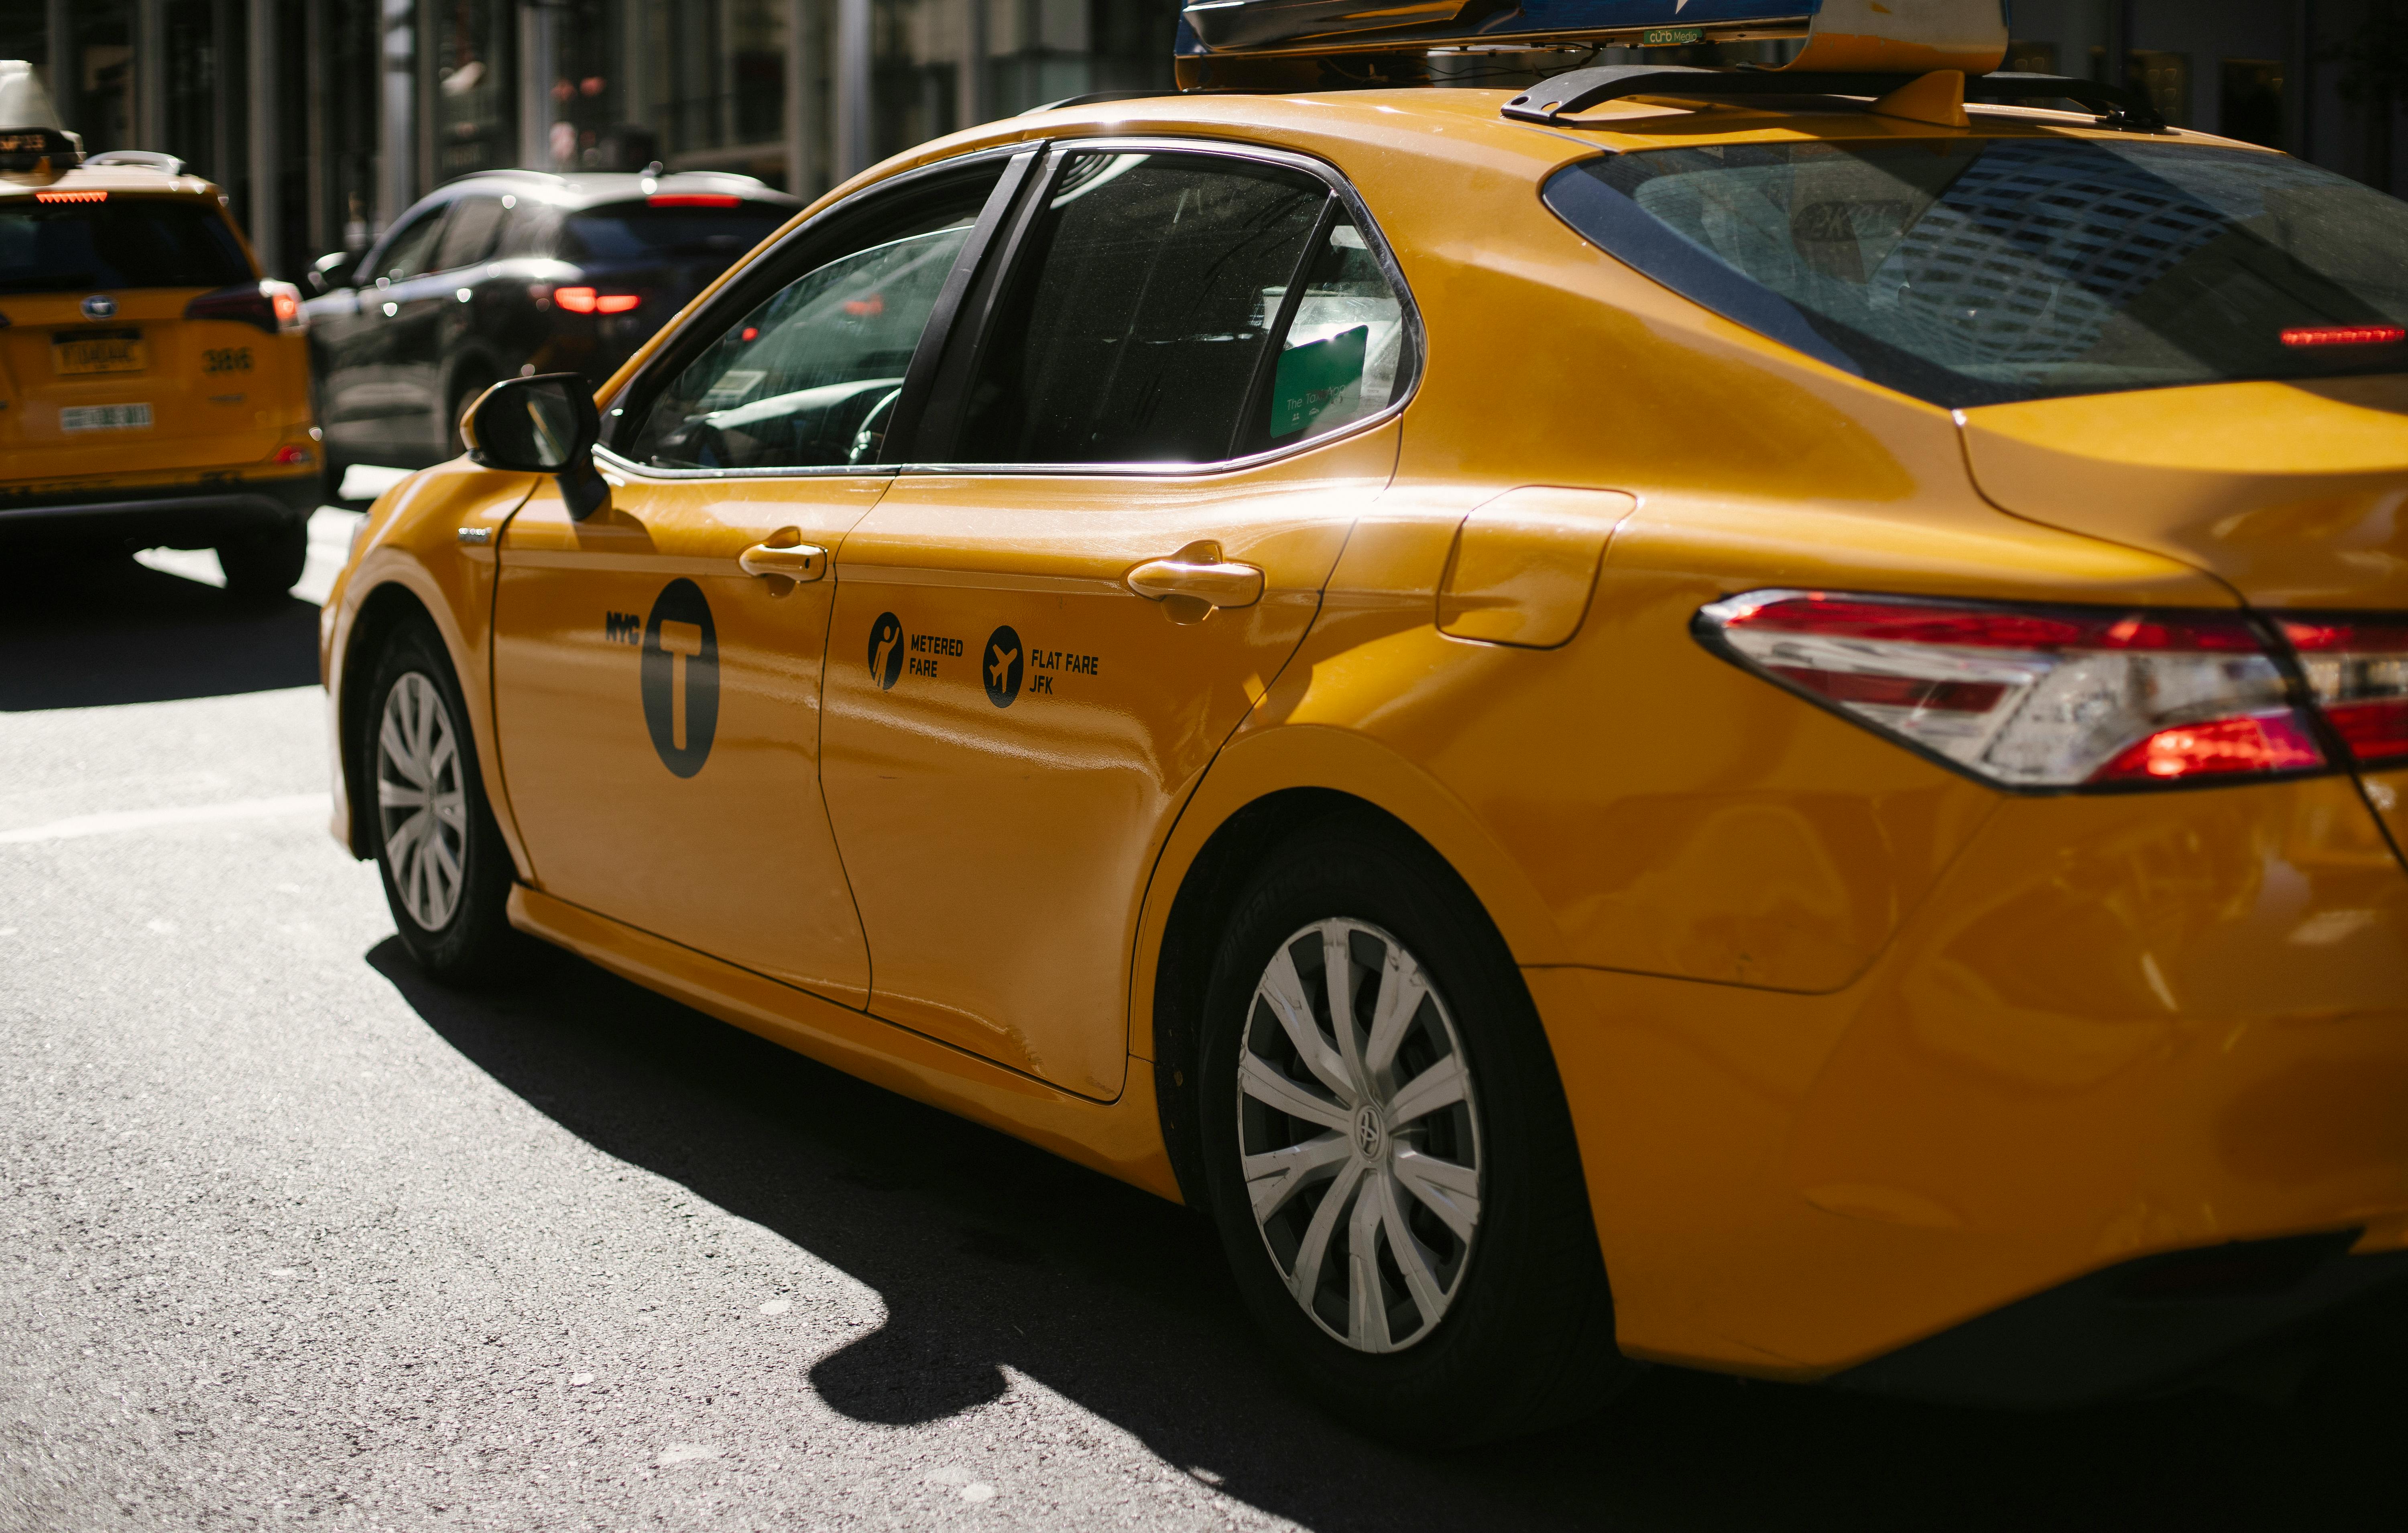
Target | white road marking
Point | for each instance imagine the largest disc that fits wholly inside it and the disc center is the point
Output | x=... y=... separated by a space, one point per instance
x=366 y=481
x=189 y=814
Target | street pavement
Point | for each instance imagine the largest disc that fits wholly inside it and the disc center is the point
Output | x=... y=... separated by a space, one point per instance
x=292 y=1236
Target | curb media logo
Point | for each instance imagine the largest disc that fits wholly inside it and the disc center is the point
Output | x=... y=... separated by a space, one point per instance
x=886 y=650
x=679 y=675
x=1001 y=667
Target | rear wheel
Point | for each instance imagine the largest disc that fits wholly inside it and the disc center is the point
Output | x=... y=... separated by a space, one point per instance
x=262 y=566
x=1388 y=1155
x=446 y=872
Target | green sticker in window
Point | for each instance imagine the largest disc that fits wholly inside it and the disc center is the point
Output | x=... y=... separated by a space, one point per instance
x=1321 y=378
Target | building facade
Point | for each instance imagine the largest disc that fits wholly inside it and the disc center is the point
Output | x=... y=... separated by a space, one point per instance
x=325 y=119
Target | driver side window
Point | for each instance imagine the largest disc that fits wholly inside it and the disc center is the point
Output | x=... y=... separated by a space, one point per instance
x=804 y=378
x=405 y=255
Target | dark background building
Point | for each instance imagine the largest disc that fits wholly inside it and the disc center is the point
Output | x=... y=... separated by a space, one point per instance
x=371 y=102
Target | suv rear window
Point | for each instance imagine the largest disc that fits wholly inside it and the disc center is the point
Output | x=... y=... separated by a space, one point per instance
x=1978 y=270
x=131 y=242
x=636 y=231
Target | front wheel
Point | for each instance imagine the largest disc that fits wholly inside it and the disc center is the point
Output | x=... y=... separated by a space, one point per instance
x=1388 y=1155
x=446 y=872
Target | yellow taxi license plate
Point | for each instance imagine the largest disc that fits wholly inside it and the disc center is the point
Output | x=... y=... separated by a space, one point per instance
x=104 y=353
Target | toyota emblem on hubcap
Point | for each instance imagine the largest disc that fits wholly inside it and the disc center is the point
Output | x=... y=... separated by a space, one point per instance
x=1368 y=1134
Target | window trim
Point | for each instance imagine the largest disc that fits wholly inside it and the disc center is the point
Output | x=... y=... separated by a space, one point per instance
x=1008 y=265
x=1014 y=208
x=752 y=286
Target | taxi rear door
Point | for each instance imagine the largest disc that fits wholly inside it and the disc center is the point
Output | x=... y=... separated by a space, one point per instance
x=1037 y=656
x=657 y=664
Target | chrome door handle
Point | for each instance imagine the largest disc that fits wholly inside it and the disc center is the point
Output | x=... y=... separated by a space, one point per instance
x=796 y=561
x=1197 y=573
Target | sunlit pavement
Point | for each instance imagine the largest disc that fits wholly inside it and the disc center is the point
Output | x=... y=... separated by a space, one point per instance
x=294 y=1237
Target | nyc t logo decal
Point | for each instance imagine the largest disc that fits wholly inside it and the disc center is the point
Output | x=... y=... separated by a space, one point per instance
x=679 y=672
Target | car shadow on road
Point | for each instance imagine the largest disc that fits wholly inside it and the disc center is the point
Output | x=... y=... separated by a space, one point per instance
x=86 y=631
x=989 y=1253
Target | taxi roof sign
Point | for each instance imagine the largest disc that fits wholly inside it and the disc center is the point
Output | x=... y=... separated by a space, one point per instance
x=32 y=138
x=1901 y=37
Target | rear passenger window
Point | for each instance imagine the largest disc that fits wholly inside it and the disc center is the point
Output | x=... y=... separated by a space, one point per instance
x=1137 y=326
x=1342 y=356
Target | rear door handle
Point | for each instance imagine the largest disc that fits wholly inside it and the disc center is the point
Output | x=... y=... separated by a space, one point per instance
x=796 y=561
x=1198 y=574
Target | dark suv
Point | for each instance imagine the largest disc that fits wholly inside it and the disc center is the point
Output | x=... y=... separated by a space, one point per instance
x=509 y=272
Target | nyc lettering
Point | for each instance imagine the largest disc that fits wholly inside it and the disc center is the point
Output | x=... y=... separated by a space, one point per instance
x=927 y=649
x=622 y=628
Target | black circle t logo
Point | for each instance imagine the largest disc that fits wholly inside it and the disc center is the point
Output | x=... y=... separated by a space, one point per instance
x=886 y=650
x=1002 y=667
x=680 y=677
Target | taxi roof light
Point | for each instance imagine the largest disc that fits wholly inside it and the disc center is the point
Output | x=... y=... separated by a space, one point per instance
x=2034 y=698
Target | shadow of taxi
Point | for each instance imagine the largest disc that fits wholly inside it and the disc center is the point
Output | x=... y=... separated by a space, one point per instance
x=88 y=632
x=989 y=1253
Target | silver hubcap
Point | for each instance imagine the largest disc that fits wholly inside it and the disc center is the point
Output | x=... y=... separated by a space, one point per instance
x=420 y=800
x=1355 y=1113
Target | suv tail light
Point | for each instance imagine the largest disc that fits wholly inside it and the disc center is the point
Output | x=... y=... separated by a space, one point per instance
x=2357 y=668
x=274 y=306
x=2032 y=696
x=586 y=300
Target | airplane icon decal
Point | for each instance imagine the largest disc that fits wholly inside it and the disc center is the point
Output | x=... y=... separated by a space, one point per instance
x=1003 y=667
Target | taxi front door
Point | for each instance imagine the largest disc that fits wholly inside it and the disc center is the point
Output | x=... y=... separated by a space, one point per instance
x=657 y=705
x=659 y=666
x=1032 y=667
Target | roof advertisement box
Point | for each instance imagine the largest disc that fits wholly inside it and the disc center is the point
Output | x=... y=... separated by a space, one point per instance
x=1901 y=35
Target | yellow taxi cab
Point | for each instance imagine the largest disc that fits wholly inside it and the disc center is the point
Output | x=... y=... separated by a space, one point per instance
x=155 y=390
x=1753 y=720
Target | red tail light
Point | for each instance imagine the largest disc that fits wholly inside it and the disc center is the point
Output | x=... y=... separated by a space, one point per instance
x=585 y=300
x=2343 y=335
x=2357 y=668
x=272 y=306
x=693 y=199
x=2031 y=696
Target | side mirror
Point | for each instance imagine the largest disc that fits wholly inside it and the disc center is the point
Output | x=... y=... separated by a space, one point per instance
x=545 y=424
x=329 y=272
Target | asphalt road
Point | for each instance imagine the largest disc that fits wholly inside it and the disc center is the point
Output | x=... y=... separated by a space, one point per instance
x=294 y=1237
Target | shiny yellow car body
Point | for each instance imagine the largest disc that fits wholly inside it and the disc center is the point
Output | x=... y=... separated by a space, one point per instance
x=152 y=414
x=1859 y=1050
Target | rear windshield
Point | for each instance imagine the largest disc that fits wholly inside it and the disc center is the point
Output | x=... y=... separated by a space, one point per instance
x=129 y=243
x=635 y=231
x=1973 y=271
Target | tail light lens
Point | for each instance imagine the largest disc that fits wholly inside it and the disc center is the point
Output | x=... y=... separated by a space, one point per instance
x=274 y=306
x=586 y=300
x=2358 y=669
x=2031 y=696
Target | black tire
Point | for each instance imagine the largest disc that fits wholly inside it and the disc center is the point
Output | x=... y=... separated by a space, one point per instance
x=262 y=566
x=470 y=940
x=1525 y=1336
